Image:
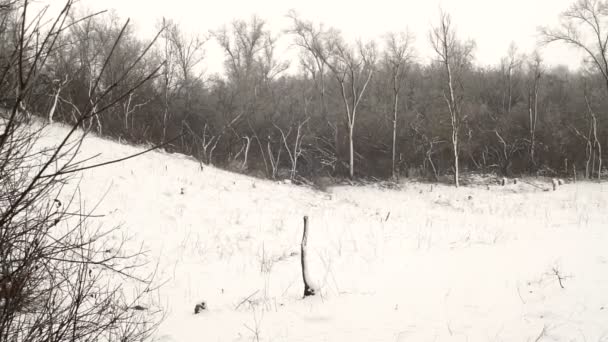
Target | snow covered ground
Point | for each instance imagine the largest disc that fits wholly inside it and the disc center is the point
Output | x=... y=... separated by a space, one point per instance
x=424 y=263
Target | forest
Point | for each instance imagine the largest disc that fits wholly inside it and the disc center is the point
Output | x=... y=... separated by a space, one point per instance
x=344 y=109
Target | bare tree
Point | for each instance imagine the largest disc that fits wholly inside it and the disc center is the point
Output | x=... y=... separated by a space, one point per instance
x=589 y=144
x=398 y=54
x=188 y=52
x=507 y=150
x=249 y=50
x=454 y=56
x=428 y=145
x=596 y=146
x=168 y=76
x=353 y=69
x=535 y=71
x=251 y=66
x=129 y=108
x=312 y=40
x=584 y=27
x=274 y=157
x=297 y=145
x=509 y=65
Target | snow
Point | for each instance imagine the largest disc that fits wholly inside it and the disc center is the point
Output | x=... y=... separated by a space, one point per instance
x=467 y=264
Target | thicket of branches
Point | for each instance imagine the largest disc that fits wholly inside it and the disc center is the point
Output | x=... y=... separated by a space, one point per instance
x=354 y=109
x=61 y=279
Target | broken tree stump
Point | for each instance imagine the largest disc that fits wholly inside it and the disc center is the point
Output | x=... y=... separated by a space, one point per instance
x=308 y=289
x=555 y=183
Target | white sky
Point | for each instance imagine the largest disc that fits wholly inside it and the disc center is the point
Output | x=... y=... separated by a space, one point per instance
x=493 y=24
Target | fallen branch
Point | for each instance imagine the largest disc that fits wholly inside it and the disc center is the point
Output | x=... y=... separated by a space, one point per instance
x=246 y=299
x=559 y=277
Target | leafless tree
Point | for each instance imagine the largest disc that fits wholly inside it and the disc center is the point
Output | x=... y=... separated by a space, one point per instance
x=251 y=65
x=274 y=157
x=506 y=152
x=129 y=108
x=169 y=78
x=352 y=67
x=584 y=27
x=535 y=71
x=249 y=50
x=294 y=155
x=188 y=52
x=596 y=146
x=509 y=65
x=429 y=144
x=454 y=56
x=312 y=40
x=398 y=54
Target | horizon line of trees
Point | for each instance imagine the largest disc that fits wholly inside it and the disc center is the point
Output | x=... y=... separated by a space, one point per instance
x=353 y=109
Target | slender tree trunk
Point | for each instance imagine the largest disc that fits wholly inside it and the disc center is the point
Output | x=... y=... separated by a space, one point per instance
x=445 y=52
x=244 y=166
x=510 y=89
x=54 y=107
x=532 y=120
x=455 y=148
x=599 y=166
x=594 y=145
x=535 y=113
x=454 y=116
x=395 y=106
x=166 y=109
x=351 y=127
x=598 y=146
x=429 y=157
x=589 y=154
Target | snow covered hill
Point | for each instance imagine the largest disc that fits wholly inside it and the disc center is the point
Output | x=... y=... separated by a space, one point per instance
x=424 y=263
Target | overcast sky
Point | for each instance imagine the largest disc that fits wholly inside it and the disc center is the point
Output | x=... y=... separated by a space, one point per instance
x=493 y=24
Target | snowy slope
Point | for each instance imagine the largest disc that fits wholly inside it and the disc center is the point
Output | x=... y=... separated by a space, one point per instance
x=447 y=264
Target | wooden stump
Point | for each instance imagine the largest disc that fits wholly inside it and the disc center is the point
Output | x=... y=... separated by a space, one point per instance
x=555 y=184
x=308 y=289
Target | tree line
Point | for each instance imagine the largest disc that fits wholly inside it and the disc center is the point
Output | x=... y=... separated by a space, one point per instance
x=351 y=109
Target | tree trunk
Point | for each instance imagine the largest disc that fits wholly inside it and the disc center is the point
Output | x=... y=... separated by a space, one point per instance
x=341 y=139
x=532 y=132
x=54 y=107
x=351 y=151
x=308 y=289
x=510 y=91
x=455 y=147
x=596 y=144
x=395 y=105
x=244 y=166
x=589 y=156
x=455 y=115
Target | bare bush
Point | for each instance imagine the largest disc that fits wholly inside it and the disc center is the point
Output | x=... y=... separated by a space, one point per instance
x=60 y=280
